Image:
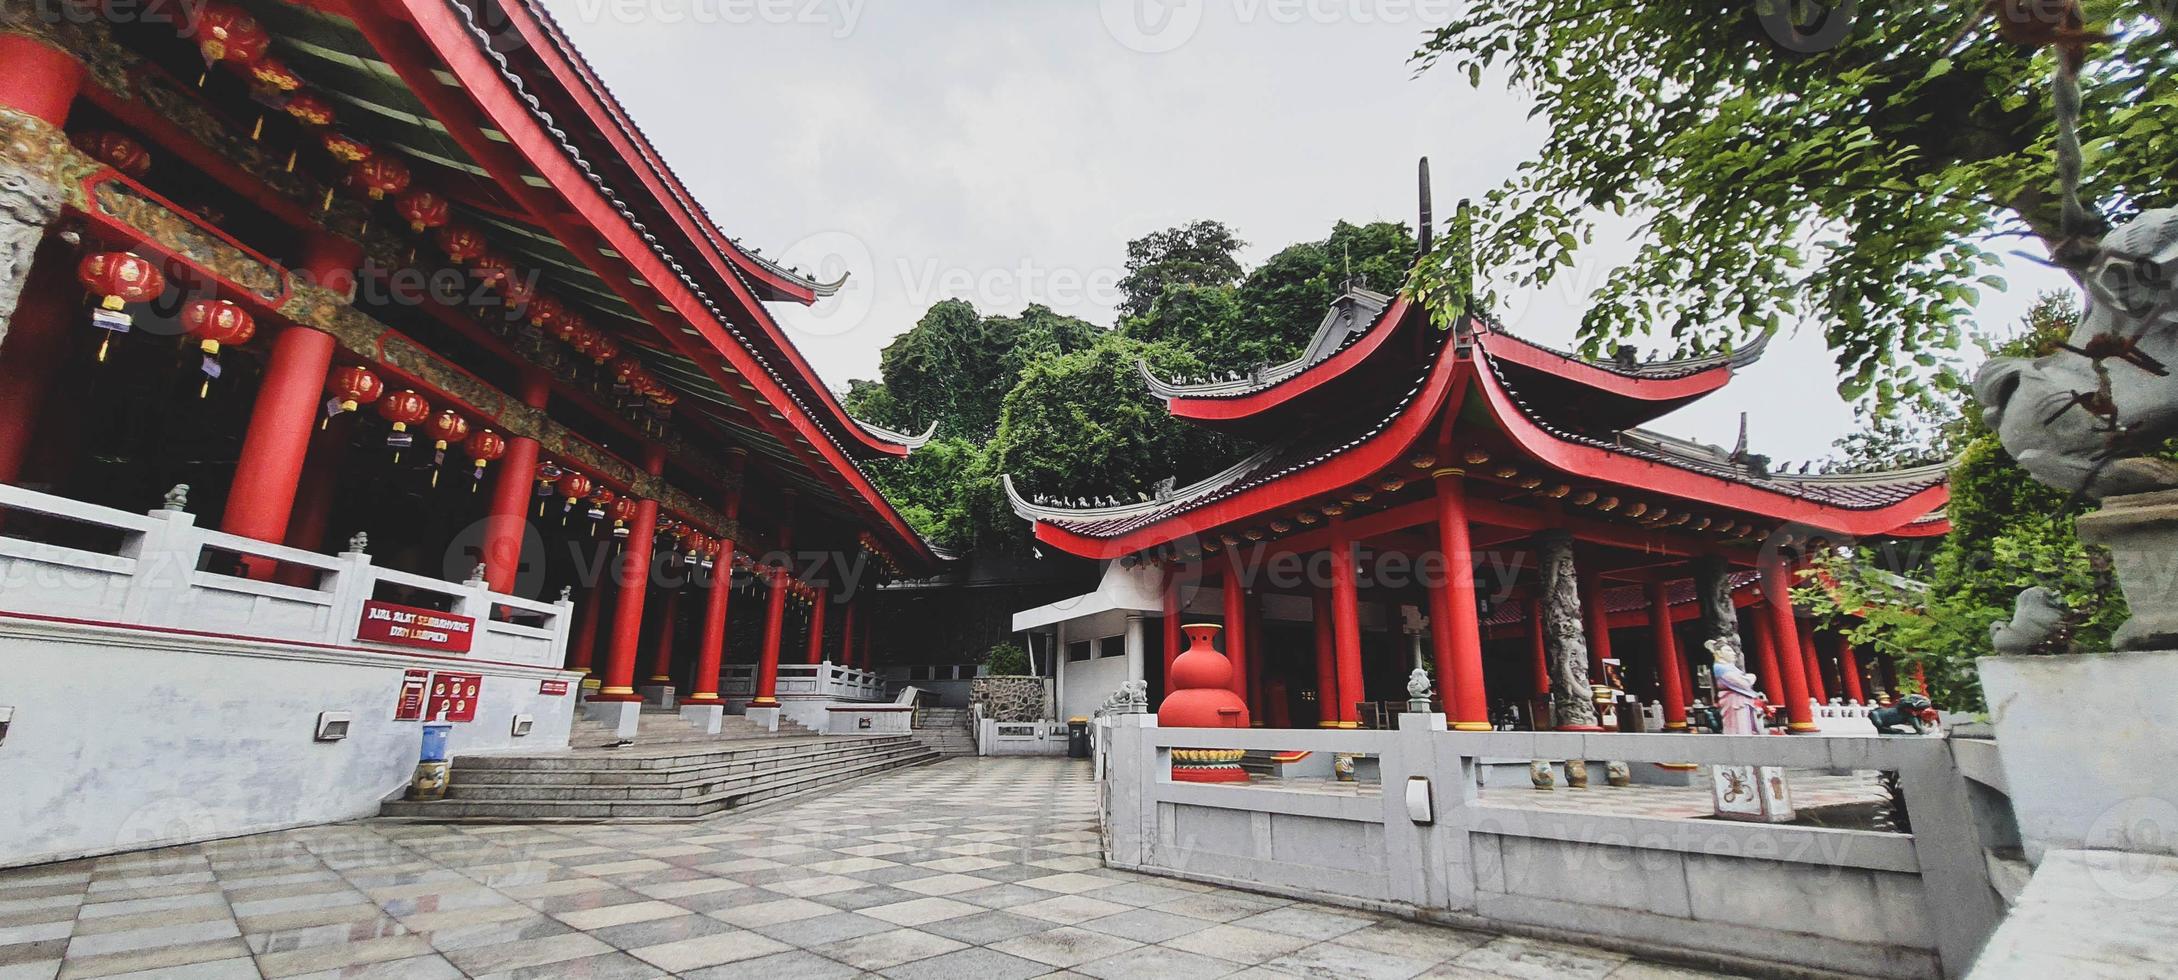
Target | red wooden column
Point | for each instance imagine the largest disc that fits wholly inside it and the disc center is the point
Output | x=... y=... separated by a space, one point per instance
x=1813 y=652
x=1785 y=631
x=1771 y=676
x=1327 y=671
x=847 y=635
x=589 y=622
x=661 y=657
x=1539 y=649
x=1670 y=669
x=1598 y=618
x=767 y=664
x=1458 y=636
x=634 y=581
x=1849 y=670
x=711 y=649
x=816 y=624
x=1236 y=626
x=40 y=81
x=1346 y=629
x=508 y=518
x=270 y=467
x=1173 y=646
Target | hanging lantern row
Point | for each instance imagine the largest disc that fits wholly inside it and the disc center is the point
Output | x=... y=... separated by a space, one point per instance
x=229 y=36
x=215 y=323
x=118 y=279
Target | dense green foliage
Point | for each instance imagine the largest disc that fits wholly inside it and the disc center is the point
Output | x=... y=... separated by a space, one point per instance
x=1006 y=660
x=1932 y=603
x=1059 y=404
x=1853 y=166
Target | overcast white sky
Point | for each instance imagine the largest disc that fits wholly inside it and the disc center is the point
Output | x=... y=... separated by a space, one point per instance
x=1004 y=151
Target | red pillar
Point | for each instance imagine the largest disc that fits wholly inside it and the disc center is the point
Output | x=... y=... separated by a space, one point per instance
x=589 y=622
x=1173 y=646
x=816 y=624
x=847 y=636
x=1458 y=635
x=1539 y=649
x=1849 y=670
x=1812 y=651
x=1772 y=676
x=1327 y=671
x=270 y=467
x=508 y=517
x=41 y=81
x=1785 y=629
x=711 y=651
x=634 y=581
x=1236 y=627
x=1346 y=630
x=37 y=79
x=661 y=659
x=1670 y=669
x=767 y=664
x=1599 y=622
x=308 y=526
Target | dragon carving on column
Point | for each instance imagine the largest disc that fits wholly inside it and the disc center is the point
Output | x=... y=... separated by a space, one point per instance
x=1564 y=634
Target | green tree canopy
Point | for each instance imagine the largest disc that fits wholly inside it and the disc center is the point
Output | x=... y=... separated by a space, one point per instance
x=1842 y=162
x=1931 y=603
x=1199 y=254
x=956 y=365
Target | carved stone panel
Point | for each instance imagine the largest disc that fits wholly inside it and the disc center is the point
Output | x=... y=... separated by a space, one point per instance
x=1565 y=637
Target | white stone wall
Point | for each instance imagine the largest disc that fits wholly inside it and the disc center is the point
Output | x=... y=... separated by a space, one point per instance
x=123 y=739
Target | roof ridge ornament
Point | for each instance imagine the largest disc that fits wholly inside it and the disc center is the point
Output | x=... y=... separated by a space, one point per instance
x=1426 y=227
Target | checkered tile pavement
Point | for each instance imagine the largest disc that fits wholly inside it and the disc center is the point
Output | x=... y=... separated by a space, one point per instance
x=968 y=870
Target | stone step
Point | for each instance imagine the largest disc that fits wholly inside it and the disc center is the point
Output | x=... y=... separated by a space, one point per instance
x=678 y=790
x=551 y=772
x=770 y=787
x=670 y=756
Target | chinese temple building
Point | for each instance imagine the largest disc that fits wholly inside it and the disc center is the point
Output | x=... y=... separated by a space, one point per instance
x=361 y=352
x=1497 y=500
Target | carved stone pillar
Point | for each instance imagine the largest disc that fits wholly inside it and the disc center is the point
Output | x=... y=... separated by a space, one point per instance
x=1720 y=617
x=30 y=198
x=1565 y=639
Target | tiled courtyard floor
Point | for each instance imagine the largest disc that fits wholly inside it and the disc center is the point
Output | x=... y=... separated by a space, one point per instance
x=968 y=870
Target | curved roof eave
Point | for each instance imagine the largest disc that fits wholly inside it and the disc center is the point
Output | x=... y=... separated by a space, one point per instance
x=1686 y=483
x=1202 y=405
x=739 y=269
x=1660 y=381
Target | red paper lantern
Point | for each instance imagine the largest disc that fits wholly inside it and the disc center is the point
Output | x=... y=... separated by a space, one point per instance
x=483 y=447
x=310 y=110
x=627 y=369
x=518 y=294
x=545 y=312
x=354 y=387
x=622 y=511
x=605 y=349
x=461 y=243
x=447 y=428
x=568 y=326
x=345 y=148
x=217 y=322
x=228 y=33
x=379 y=175
x=273 y=75
x=120 y=278
x=422 y=210
x=491 y=267
x=116 y=151
x=574 y=486
x=403 y=408
x=584 y=338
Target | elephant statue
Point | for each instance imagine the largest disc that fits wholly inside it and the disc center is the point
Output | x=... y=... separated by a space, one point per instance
x=2085 y=418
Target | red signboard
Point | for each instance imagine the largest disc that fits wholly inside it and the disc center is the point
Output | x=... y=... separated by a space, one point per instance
x=410 y=707
x=408 y=626
x=453 y=697
x=552 y=688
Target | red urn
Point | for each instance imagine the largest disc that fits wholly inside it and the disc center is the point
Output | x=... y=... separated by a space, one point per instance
x=1202 y=697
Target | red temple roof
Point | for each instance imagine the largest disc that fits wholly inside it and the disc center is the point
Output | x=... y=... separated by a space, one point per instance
x=1537 y=460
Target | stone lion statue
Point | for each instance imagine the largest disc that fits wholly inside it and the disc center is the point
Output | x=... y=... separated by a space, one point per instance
x=2088 y=431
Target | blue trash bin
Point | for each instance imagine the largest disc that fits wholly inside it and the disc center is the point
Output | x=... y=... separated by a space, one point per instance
x=432 y=768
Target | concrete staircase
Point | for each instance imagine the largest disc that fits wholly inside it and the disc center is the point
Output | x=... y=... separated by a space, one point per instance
x=671 y=771
x=945 y=730
x=661 y=726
